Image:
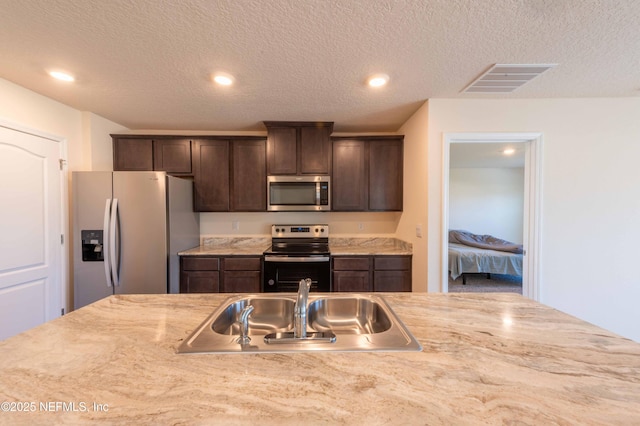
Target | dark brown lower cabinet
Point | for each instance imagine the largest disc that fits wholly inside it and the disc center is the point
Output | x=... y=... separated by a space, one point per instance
x=392 y=273
x=211 y=274
x=371 y=273
x=199 y=274
x=352 y=274
x=242 y=275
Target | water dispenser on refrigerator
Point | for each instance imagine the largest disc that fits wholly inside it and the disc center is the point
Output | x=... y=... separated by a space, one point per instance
x=92 y=245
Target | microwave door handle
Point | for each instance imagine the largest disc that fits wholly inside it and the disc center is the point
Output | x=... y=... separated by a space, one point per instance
x=317 y=193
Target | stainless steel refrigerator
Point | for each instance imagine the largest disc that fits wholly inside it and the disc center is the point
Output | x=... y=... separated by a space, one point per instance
x=127 y=230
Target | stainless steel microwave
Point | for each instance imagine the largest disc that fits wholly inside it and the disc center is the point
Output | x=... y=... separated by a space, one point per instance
x=298 y=193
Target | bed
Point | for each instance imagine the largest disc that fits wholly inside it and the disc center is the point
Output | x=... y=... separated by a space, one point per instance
x=466 y=259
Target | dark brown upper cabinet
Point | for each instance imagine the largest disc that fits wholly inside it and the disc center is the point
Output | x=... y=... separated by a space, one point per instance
x=211 y=175
x=229 y=175
x=385 y=174
x=172 y=155
x=349 y=184
x=367 y=173
x=298 y=147
x=249 y=177
x=132 y=154
x=152 y=153
x=282 y=151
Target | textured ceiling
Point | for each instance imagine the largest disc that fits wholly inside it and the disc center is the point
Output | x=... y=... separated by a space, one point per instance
x=147 y=64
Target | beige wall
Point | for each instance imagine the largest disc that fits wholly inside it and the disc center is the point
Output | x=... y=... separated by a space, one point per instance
x=98 y=145
x=487 y=201
x=342 y=224
x=416 y=182
x=29 y=109
x=590 y=197
x=86 y=134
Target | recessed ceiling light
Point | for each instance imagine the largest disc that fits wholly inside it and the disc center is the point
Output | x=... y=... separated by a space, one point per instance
x=61 y=76
x=223 y=79
x=378 y=80
x=509 y=151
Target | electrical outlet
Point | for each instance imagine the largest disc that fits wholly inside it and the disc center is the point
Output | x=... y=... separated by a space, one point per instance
x=360 y=226
x=419 y=230
x=235 y=225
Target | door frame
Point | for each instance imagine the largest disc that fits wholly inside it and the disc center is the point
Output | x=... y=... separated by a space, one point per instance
x=532 y=202
x=63 y=287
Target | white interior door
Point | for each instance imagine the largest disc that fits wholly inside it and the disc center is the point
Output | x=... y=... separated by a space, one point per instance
x=532 y=205
x=30 y=230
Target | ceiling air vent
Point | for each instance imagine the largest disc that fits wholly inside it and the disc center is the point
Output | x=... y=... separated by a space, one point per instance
x=505 y=78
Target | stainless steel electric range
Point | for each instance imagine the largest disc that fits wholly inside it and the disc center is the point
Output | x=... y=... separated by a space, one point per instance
x=297 y=252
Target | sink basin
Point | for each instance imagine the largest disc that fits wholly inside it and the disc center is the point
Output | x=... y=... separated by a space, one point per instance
x=270 y=315
x=359 y=322
x=348 y=315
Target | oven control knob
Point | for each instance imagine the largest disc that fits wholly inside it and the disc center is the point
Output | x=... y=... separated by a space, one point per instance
x=271 y=282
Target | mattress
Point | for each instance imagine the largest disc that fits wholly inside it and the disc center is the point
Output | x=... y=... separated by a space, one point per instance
x=465 y=259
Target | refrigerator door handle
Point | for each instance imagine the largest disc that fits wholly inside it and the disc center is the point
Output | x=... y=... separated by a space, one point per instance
x=114 y=255
x=107 y=242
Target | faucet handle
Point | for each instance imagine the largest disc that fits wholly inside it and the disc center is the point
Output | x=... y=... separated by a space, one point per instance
x=244 y=338
x=305 y=284
x=244 y=314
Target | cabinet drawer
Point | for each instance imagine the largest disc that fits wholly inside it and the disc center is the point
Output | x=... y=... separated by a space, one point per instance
x=200 y=263
x=242 y=264
x=392 y=263
x=350 y=263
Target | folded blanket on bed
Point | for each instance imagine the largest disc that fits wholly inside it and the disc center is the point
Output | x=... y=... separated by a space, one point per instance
x=483 y=241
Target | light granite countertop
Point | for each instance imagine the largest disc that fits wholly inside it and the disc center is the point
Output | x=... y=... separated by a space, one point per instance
x=339 y=246
x=486 y=359
x=229 y=246
x=369 y=246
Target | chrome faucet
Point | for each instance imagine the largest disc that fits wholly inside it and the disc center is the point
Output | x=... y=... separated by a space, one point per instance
x=300 y=309
x=244 y=338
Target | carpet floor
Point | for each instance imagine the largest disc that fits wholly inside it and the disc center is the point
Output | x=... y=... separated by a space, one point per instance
x=478 y=283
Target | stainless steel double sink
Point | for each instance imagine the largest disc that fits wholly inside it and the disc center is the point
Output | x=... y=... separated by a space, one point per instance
x=360 y=322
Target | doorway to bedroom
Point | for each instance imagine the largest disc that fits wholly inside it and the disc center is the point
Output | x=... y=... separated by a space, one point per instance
x=490 y=213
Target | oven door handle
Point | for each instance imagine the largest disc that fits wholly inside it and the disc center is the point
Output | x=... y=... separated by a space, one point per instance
x=293 y=259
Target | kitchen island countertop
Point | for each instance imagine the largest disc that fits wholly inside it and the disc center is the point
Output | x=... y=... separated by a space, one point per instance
x=487 y=358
